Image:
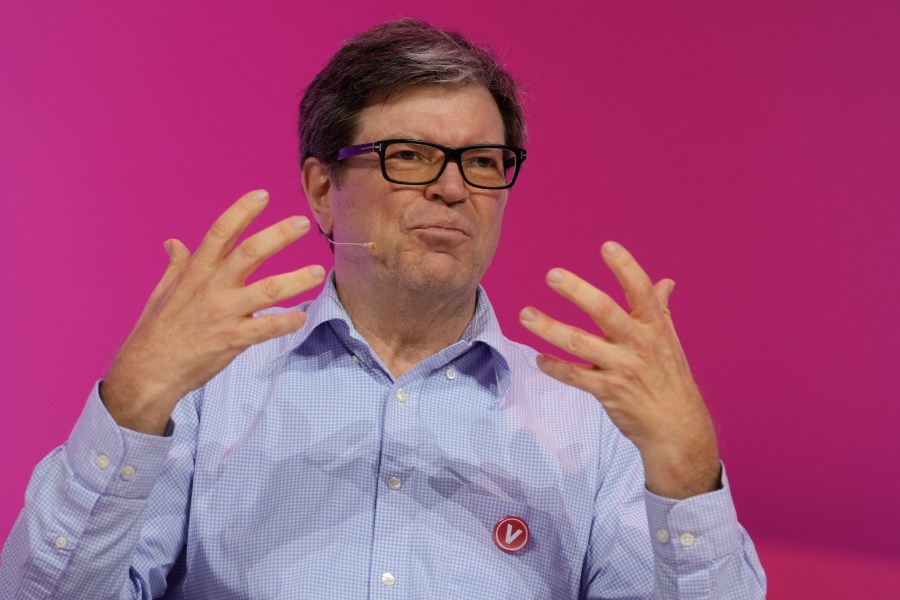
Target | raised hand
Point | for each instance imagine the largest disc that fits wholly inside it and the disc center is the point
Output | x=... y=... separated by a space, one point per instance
x=638 y=371
x=200 y=315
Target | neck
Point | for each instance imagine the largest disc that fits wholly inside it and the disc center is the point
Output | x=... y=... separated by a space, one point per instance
x=404 y=327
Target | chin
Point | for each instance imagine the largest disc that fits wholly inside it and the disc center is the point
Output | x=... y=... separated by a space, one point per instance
x=440 y=274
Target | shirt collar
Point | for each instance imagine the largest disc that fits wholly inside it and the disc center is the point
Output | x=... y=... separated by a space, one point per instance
x=483 y=328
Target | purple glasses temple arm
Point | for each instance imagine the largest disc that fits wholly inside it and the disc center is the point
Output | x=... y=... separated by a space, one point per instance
x=351 y=151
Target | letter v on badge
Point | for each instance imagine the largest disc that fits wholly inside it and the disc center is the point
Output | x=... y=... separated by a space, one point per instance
x=511 y=533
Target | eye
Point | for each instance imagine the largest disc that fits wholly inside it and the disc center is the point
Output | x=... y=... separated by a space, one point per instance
x=489 y=160
x=403 y=155
x=410 y=153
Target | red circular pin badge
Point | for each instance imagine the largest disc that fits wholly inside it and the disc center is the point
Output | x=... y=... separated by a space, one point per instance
x=511 y=533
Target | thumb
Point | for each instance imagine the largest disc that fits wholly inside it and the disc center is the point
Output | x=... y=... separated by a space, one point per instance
x=178 y=255
x=663 y=289
x=176 y=250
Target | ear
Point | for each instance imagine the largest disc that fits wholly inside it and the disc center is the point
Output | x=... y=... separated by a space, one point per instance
x=317 y=187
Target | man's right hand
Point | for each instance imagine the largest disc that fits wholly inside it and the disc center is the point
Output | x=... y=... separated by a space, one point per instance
x=200 y=316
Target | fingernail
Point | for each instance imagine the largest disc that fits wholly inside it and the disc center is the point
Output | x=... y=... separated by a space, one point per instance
x=301 y=223
x=317 y=271
x=260 y=195
x=168 y=247
x=611 y=248
x=555 y=276
x=528 y=314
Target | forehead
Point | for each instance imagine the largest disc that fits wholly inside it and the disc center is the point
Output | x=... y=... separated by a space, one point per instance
x=454 y=115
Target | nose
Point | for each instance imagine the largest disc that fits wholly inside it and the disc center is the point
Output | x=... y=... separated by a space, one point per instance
x=449 y=188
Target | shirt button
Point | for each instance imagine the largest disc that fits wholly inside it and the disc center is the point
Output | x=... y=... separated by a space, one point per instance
x=401 y=395
x=61 y=542
x=687 y=540
x=450 y=373
x=356 y=359
x=387 y=579
x=102 y=461
x=662 y=535
x=127 y=473
x=394 y=483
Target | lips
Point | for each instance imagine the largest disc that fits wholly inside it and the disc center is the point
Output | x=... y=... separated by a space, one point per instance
x=443 y=227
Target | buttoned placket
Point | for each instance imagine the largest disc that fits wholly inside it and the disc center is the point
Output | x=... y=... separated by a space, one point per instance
x=400 y=438
x=397 y=473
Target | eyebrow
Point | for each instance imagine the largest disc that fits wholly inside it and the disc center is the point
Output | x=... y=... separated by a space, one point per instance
x=408 y=136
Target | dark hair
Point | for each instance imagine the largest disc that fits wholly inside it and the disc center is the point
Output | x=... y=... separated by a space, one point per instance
x=391 y=58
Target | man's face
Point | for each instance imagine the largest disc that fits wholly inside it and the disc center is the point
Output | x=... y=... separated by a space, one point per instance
x=438 y=237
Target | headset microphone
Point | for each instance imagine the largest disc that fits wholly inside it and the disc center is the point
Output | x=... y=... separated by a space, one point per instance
x=369 y=245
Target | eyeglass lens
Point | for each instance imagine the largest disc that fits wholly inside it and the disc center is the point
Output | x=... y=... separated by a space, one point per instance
x=408 y=162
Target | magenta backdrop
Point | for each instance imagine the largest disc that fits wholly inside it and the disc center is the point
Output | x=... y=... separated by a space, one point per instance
x=750 y=151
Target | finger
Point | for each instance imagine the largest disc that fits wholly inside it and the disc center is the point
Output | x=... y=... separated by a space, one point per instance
x=637 y=285
x=230 y=224
x=584 y=377
x=251 y=253
x=267 y=327
x=271 y=290
x=605 y=312
x=573 y=340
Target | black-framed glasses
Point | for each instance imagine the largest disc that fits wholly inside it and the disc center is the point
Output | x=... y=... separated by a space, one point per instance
x=416 y=162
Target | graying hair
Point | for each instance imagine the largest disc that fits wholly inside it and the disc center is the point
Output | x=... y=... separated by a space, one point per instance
x=390 y=58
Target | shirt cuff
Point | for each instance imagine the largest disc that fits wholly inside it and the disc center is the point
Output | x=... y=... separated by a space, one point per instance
x=112 y=460
x=697 y=529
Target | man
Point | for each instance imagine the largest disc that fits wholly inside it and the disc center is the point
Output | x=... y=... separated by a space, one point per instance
x=385 y=440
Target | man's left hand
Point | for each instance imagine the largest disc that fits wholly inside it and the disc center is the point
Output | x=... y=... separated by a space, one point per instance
x=638 y=371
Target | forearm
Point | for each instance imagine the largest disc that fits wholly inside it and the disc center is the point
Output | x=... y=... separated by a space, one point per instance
x=680 y=469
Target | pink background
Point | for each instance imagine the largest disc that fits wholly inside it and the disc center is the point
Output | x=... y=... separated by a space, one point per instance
x=750 y=151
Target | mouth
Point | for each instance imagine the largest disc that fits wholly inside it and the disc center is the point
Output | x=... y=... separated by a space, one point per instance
x=441 y=233
x=441 y=228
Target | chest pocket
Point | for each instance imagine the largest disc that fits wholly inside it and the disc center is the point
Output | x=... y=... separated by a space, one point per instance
x=457 y=537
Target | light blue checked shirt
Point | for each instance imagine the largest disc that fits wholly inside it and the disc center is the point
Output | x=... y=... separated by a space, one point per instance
x=305 y=470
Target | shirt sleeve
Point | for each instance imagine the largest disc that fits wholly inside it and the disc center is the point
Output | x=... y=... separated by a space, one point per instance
x=654 y=548
x=699 y=548
x=85 y=530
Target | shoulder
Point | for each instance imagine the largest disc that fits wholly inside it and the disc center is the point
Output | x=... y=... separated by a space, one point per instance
x=270 y=351
x=528 y=381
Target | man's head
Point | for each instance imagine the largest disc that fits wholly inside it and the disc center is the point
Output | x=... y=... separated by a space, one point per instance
x=407 y=80
x=389 y=59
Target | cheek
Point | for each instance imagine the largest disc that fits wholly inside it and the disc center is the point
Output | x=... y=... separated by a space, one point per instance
x=493 y=215
x=492 y=223
x=368 y=208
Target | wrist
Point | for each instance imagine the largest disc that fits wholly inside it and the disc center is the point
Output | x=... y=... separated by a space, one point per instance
x=139 y=406
x=682 y=473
